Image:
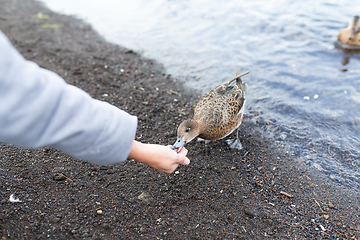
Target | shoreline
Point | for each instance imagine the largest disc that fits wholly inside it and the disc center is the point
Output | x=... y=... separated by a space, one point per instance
x=221 y=195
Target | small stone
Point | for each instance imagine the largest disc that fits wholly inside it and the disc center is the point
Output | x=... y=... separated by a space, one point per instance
x=106 y=226
x=331 y=205
x=57 y=169
x=283 y=136
x=249 y=212
x=177 y=172
x=322 y=227
x=143 y=196
x=99 y=211
x=56 y=219
x=59 y=177
x=338 y=224
x=326 y=217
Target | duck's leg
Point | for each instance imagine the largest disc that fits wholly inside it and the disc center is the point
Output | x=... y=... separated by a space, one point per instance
x=203 y=140
x=235 y=143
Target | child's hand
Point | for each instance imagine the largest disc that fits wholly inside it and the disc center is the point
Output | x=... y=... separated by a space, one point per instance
x=160 y=157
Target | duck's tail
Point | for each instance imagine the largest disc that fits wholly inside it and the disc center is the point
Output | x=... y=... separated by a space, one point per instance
x=354 y=26
x=238 y=76
x=241 y=85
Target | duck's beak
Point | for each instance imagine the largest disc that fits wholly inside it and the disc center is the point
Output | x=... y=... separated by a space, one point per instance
x=179 y=144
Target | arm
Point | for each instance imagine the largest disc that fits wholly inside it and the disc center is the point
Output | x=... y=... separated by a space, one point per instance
x=38 y=108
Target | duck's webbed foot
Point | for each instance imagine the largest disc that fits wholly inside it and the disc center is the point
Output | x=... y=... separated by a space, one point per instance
x=234 y=143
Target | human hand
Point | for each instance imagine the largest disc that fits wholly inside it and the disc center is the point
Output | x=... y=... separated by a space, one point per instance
x=160 y=157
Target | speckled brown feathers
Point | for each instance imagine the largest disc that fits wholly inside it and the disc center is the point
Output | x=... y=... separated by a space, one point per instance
x=351 y=34
x=217 y=114
x=220 y=109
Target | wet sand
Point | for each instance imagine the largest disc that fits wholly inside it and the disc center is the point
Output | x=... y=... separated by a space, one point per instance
x=257 y=193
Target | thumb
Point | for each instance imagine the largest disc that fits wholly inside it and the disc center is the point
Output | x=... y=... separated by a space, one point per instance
x=186 y=161
x=181 y=157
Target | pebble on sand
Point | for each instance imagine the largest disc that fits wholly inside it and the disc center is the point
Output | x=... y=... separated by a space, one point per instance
x=13 y=199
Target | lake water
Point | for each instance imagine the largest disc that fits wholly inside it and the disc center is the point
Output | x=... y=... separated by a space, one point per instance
x=304 y=92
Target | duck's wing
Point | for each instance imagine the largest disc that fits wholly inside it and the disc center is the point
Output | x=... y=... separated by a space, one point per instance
x=236 y=102
x=223 y=88
x=206 y=100
x=236 y=97
x=211 y=98
x=221 y=91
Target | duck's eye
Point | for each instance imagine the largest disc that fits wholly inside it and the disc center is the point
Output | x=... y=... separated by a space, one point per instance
x=188 y=130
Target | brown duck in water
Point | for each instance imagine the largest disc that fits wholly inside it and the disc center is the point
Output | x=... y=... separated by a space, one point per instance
x=217 y=114
x=351 y=34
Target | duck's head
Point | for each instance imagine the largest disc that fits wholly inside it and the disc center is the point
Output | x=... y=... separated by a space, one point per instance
x=187 y=131
x=354 y=26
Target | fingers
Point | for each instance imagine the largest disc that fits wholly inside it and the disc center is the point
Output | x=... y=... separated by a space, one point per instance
x=183 y=151
x=181 y=156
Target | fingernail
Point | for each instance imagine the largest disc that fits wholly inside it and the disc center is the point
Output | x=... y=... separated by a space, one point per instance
x=186 y=161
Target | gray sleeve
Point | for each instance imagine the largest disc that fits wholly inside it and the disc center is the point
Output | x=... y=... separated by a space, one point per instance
x=38 y=108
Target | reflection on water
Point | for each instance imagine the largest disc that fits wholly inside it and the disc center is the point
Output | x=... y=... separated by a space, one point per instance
x=348 y=51
x=303 y=92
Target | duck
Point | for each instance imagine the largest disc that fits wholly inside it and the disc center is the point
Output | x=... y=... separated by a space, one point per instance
x=216 y=115
x=351 y=34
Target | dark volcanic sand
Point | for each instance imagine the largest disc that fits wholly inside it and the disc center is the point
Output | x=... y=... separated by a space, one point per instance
x=222 y=194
